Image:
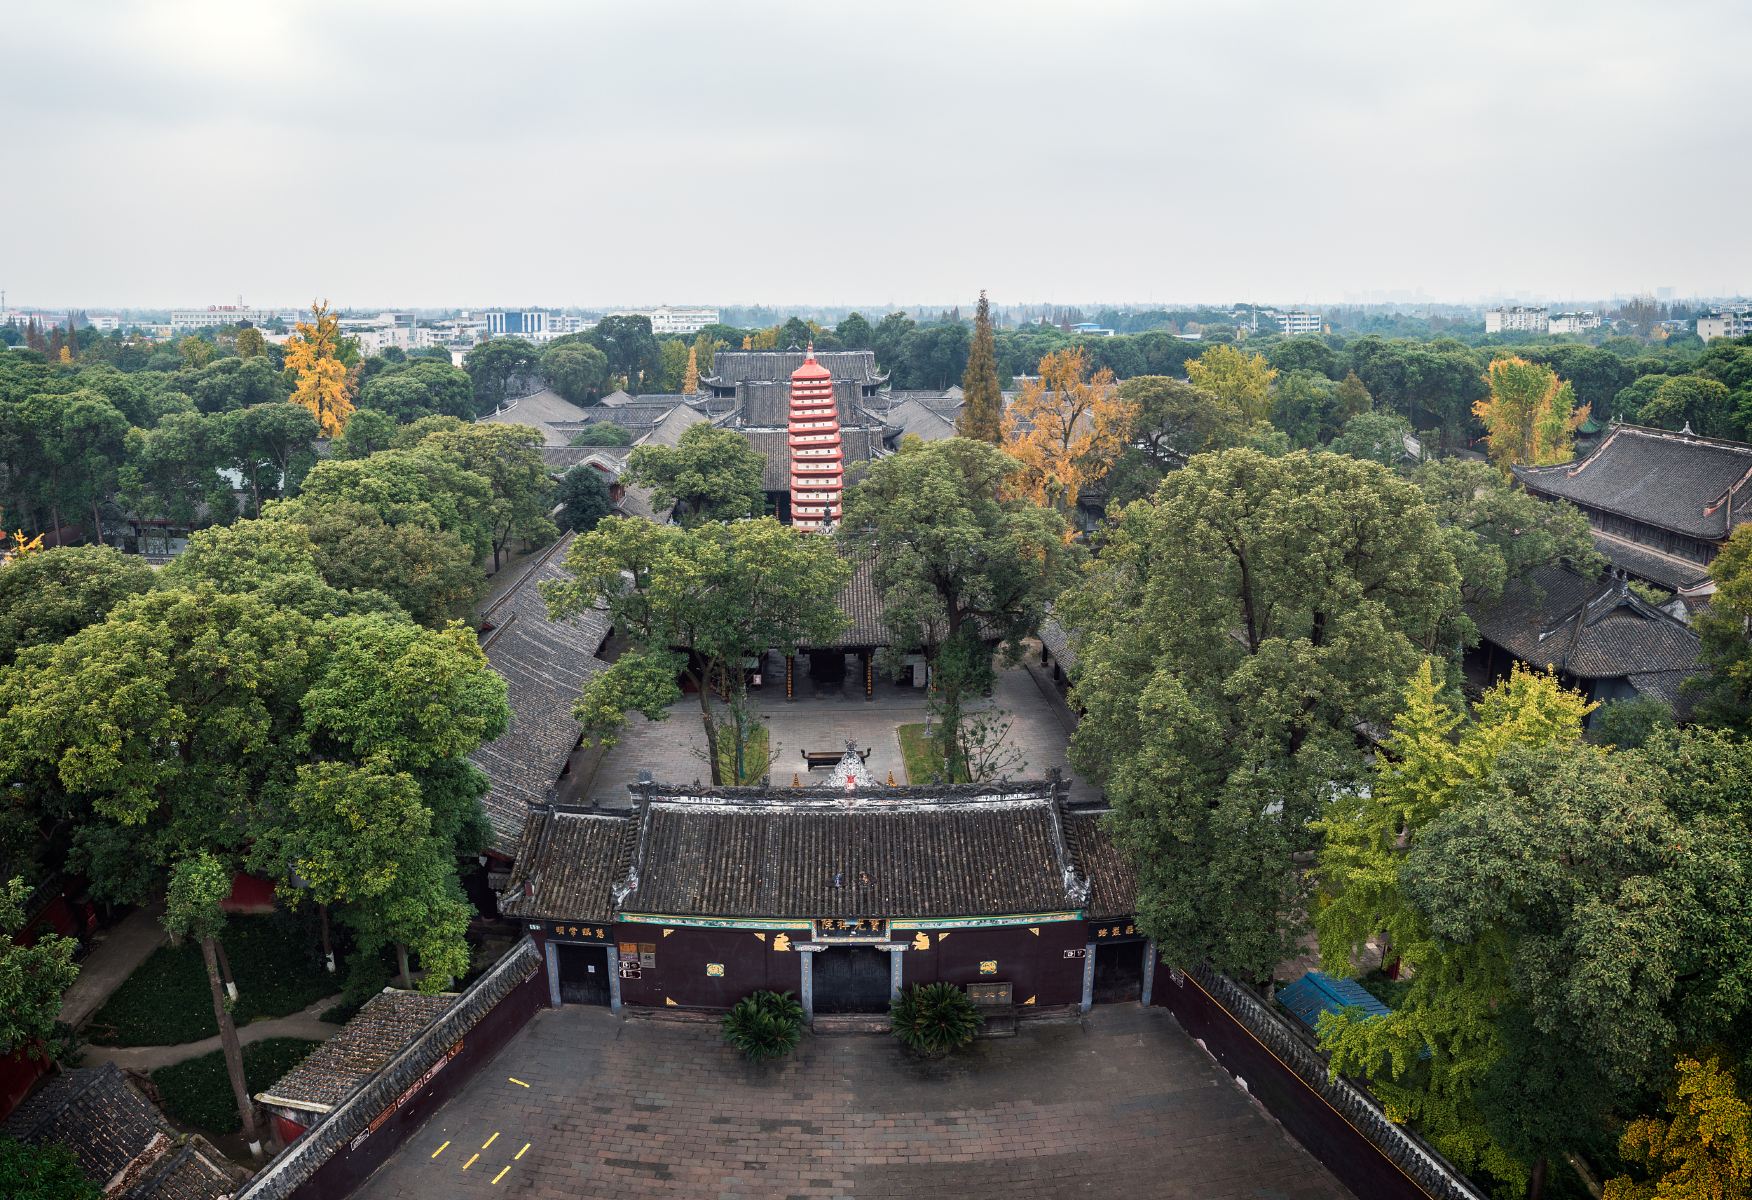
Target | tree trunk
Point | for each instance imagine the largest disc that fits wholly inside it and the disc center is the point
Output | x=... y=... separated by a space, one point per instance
x=96 y=525
x=401 y=959
x=328 y=950
x=1536 y=1182
x=225 y=969
x=704 y=688
x=233 y=1049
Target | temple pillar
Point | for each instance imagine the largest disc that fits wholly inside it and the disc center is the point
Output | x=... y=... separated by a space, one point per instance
x=790 y=676
x=869 y=675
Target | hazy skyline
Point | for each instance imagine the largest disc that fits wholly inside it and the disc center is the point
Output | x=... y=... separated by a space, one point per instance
x=549 y=153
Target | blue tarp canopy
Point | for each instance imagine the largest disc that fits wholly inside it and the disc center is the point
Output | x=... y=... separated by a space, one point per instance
x=1317 y=992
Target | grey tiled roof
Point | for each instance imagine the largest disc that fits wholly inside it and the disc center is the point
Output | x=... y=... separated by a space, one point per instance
x=294 y=1166
x=731 y=367
x=1058 y=643
x=861 y=603
x=545 y=664
x=767 y=405
x=568 y=864
x=97 y=1114
x=380 y=1030
x=1644 y=562
x=858 y=446
x=1691 y=485
x=1589 y=629
x=1113 y=884
x=542 y=410
x=903 y=852
x=196 y=1171
x=918 y=419
x=637 y=415
x=675 y=422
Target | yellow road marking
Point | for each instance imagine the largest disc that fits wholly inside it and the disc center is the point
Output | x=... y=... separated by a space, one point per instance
x=490 y=1140
x=516 y=1081
x=501 y=1174
x=520 y=1153
x=470 y=1162
x=440 y=1150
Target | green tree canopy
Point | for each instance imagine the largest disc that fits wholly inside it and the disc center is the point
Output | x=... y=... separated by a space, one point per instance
x=49 y=596
x=711 y=474
x=584 y=498
x=982 y=414
x=576 y=370
x=698 y=603
x=32 y=977
x=1235 y=633
x=958 y=563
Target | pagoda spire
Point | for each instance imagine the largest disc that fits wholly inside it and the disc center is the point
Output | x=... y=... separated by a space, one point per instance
x=817 y=456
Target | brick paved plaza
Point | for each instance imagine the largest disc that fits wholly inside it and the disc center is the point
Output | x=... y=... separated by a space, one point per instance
x=673 y=750
x=1122 y=1104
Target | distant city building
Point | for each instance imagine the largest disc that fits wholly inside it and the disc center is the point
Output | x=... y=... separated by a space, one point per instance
x=1519 y=319
x=215 y=315
x=1091 y=329
x=1572 y=322
x=1298 y=321
x=105 y=323
x=524 y=323
x=672 y=319
x=1725 y=323
x=379 y=333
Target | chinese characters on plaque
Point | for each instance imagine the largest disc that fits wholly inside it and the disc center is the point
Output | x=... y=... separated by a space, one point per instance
x=862 y=929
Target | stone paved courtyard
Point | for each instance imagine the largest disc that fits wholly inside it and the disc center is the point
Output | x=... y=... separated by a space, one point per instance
x=1120 y=1104
x=673 y=750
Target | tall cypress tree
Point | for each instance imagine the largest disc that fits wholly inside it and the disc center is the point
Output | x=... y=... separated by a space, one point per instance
x=982 y=413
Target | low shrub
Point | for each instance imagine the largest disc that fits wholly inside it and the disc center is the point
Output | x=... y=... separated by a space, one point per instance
x=934 y=1018
x=197 y=1091
x=166 y=1001
x=764 y=1025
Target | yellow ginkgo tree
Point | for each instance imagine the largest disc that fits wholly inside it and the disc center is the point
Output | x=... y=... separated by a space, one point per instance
x=313 y=354
x=1531 y=416
x=1702 y=1150
x=1066 y=428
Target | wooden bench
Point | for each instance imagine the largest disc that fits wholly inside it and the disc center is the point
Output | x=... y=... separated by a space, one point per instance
x=829 y=758
x=996 y=1003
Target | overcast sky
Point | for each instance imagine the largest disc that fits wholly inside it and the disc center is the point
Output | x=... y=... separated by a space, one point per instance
x=427 y=153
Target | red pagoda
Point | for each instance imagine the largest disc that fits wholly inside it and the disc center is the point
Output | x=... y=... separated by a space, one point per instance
x=817 y=460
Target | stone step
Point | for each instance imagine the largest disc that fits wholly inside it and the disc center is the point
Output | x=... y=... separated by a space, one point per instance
x=833 y=1024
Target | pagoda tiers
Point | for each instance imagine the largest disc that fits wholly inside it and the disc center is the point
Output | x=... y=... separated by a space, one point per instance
x=817 y=459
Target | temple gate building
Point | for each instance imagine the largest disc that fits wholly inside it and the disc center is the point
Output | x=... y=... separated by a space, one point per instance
x=842 y=894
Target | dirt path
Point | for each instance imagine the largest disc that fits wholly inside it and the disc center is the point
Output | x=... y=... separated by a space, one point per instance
x=113 y=957
x=302 y=1024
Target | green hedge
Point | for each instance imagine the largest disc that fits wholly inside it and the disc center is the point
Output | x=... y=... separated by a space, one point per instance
x=198 y=1093
x=165 y=1002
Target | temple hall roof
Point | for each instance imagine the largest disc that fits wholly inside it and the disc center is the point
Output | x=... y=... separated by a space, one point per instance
x=543 y=410
x=569 y=863
x=1589 y=629
x=731 y=367
x=383 y=1028
x=767 y=405
x=545 y=664
x=1113 y=884
x=1690 y=485
x=119 y=1140
x=857 y=445
x=819 y=852
x=1645 y=562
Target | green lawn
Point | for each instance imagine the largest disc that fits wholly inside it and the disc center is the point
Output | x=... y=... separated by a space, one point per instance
x=754 y=758
x=197 y=1092
x=166 y=1000
x=922 y=764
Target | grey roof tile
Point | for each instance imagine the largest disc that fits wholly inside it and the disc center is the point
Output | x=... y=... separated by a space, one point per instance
x=1687 y=484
